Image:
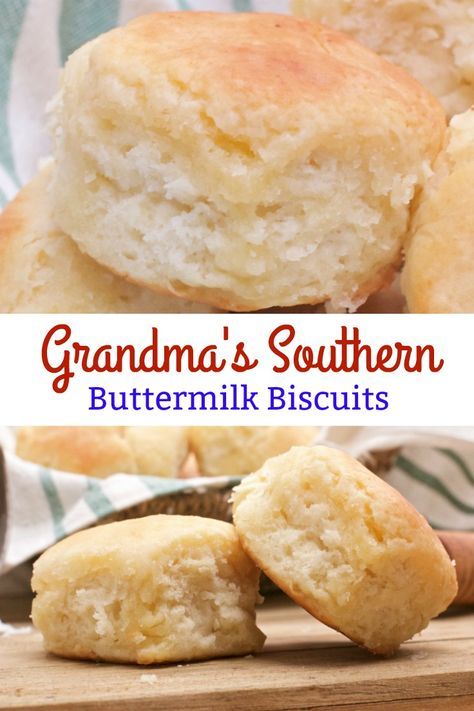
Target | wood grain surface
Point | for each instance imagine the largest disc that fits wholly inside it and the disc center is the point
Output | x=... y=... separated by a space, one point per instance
x=304 y=666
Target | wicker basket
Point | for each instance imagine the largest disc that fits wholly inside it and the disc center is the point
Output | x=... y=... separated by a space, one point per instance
x=208 y=502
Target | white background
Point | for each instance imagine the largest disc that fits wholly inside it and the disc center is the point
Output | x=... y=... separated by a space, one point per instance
x=444 y=398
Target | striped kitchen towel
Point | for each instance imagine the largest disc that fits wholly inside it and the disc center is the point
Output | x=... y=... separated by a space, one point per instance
x=434 y=469
x=40 y=506
x=36 y=37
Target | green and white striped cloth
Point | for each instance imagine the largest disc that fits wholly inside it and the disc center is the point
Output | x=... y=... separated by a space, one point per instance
x=42 y=506
x=36 y=37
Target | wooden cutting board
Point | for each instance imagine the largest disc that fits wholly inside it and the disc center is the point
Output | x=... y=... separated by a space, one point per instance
x=304 y=666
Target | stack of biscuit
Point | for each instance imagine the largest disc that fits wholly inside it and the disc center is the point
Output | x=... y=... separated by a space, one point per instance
x=236 y=161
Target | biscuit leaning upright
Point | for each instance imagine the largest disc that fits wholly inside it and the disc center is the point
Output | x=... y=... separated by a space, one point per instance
x=344 y=545
x=242 y=160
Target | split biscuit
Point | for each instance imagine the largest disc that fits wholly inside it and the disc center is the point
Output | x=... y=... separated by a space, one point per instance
x=150 y=590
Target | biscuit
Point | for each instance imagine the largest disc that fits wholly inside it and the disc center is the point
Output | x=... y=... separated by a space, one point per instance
x=236 y=451
x=102 y=451
x=43 y=271
x=438 y=276
x=150 y=590
x=431 y=39
x=344 y=545
x=242 y=160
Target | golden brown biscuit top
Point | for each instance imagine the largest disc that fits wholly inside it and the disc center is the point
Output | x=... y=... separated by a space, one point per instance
x=141 y=539
x=243 y=65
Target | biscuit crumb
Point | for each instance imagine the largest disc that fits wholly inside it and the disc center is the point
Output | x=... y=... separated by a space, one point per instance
x=149 y=678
